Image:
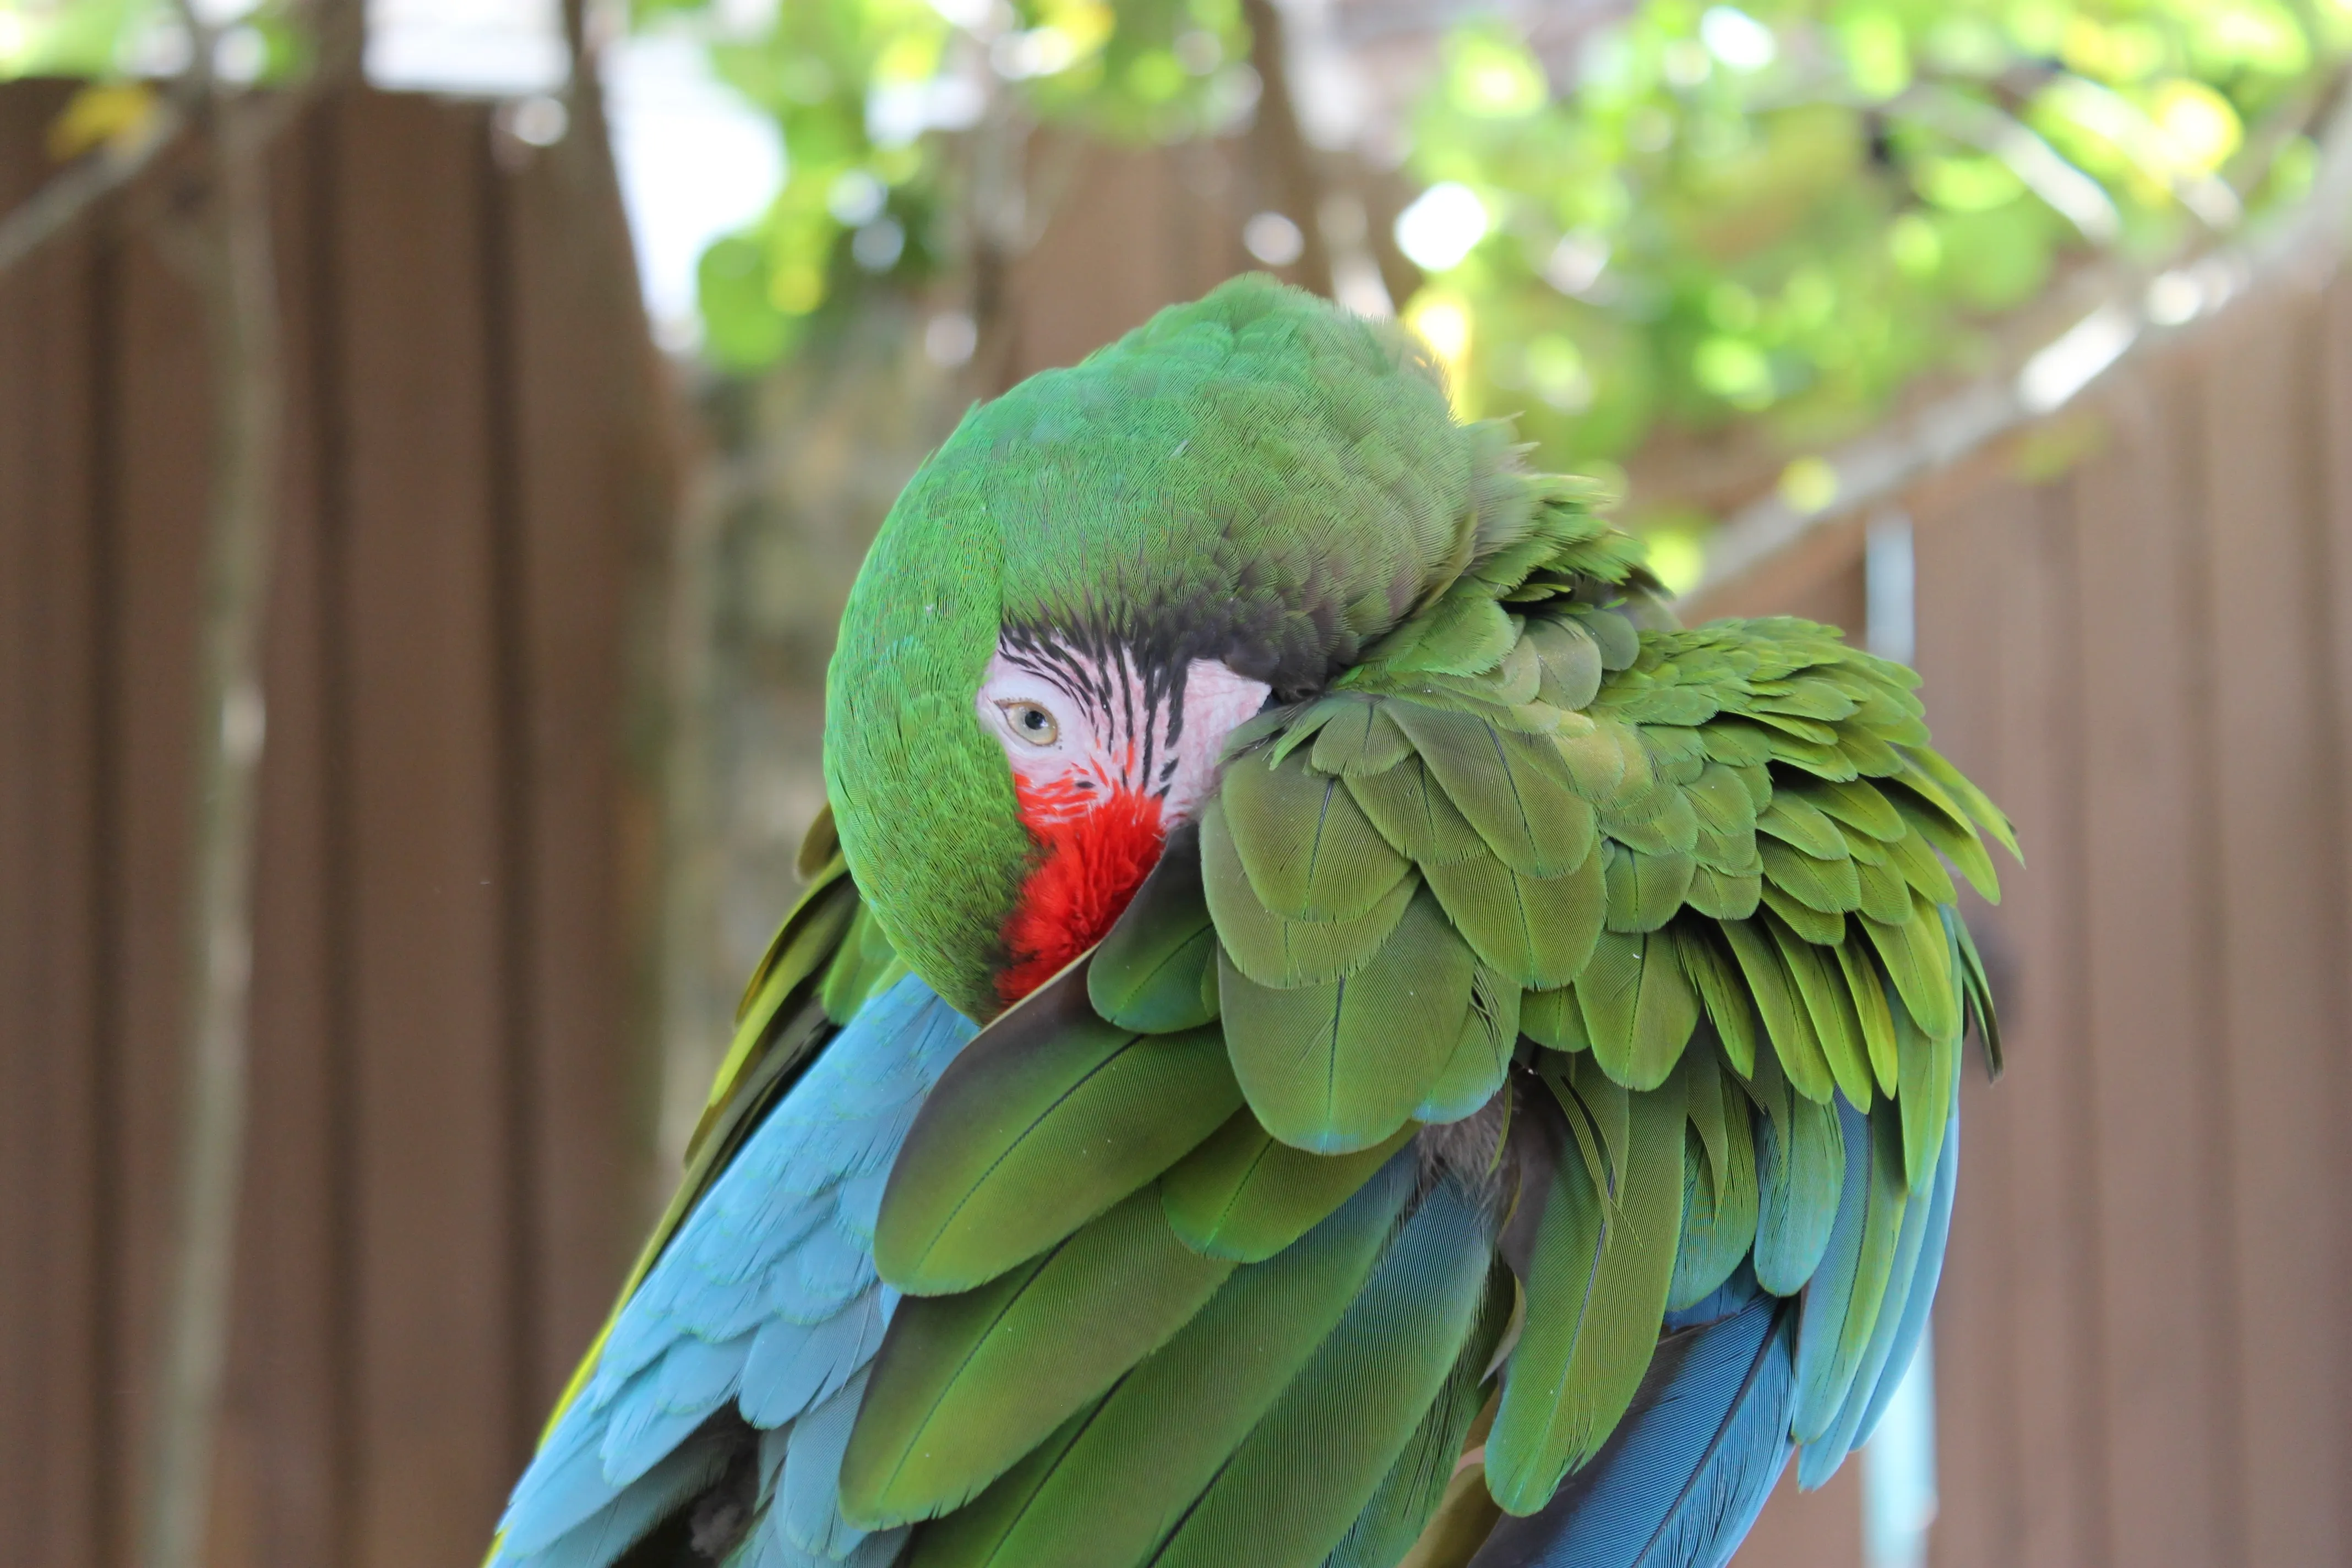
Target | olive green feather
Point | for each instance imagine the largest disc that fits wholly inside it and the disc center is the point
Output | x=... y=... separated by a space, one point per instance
x=1048 y=1117
x=1481 y=1056
x=1401 y=1509
x=1720 y=1199
x=1293 y=1488
x=1412 y=810
x=1539 y=931
x=1340 y=1067
x=1307 y=848
x=1245 y=1194
x=1821 y=983
x=1639 y=1007
x=1512 y=788
x=968 y=1384
x=1800 y=1167
x=1281 y=950
x=1105 y=1490
x=1599 y=1263
x=1917 y=957
x=1787 y=1022
x=1841 y=1302
x=1149 y=973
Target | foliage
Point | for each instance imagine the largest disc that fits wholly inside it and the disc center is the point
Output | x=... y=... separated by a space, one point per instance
x=1786 y=212
x=74 y=39
x=871 y=94
x=1710 y=220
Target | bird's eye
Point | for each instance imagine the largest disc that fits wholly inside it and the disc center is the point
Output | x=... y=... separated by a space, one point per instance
x=1031 y=722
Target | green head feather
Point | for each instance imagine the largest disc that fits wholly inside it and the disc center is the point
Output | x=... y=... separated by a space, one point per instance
x=1256 y=477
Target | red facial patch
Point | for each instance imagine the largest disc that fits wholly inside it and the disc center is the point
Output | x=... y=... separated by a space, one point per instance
x=1093 y=863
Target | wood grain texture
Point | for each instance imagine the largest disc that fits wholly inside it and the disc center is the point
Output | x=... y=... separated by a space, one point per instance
x=2280 y=941
x=438 y=1194
x=52 y=1213
x=1958 y=605
x=436 y=1401
x=2147 y=923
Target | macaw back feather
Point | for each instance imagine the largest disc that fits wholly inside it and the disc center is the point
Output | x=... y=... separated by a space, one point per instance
x=1515 y=1116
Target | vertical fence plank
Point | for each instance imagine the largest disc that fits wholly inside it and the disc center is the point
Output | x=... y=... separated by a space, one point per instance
x=2272 y=753
x=50 y=1309
x=275 y=1501
x=386 y=1368
x=1957 y=606
x=2145 y=927
x=2334 y=333
x=2050 y=1170
x=436 y=1394
x=591 y=477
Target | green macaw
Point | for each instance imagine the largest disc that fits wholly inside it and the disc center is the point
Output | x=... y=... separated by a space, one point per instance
x=1323 y=1030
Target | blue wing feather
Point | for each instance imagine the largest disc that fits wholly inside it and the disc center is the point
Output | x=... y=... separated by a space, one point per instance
x=1918 y=1265
x=766 y=1298
x=1921 y=1303
x=1679 y=1482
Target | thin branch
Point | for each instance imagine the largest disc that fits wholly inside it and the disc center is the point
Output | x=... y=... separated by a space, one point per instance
x=237 y=284
x=239 y=287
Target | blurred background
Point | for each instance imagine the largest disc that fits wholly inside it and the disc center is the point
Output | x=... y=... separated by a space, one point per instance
x=436 y=438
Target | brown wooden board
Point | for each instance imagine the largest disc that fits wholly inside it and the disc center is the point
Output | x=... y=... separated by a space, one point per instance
x=440 y=1190
x=1960 y=572
x=591 y=485
x=280 y=1482
x=2147 y=927
x=2281 y=949
x=53 y=1423
x=437 y=1408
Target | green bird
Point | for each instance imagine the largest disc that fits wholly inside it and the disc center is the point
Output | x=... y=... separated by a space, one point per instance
x=1324 y=1031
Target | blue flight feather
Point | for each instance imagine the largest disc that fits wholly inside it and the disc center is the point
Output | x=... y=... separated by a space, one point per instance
x=807 y=1497
x=1830 y=1292
x=794 y=1366
x=1682 y=1478
x=1817 y=1460
x=1915 y=1310
x=612 y=1528
x=666 y=1402
x=766 y=1297
x=1820 y=1460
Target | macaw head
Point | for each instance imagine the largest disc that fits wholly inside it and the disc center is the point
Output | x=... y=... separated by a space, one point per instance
x=1095 y=579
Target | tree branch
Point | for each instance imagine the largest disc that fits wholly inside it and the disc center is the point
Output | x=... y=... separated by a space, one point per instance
x=237 y=285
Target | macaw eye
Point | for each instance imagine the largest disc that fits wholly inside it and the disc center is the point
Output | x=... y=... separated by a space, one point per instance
x=1031 y=722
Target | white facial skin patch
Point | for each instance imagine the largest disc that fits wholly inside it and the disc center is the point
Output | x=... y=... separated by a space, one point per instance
x=1078 y=729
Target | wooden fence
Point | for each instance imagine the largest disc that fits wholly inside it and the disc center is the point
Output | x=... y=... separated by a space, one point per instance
x=439 y=1196
x=2147 y=659
x=2140 y=1350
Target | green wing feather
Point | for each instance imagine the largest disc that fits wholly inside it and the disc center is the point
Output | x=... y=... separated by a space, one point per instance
x=1599 y=1264
x=1245 y=1194
x=1046 y=1120
x=1293 y=1488
x=968 y=1384
x=1842 y=1298
x=1401 y=1509
x=1110 y=1486
x=1154 y=973
x=1677 y=897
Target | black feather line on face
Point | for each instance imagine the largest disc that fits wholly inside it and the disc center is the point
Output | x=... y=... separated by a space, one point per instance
x=1295 y=649
x=1092 y=669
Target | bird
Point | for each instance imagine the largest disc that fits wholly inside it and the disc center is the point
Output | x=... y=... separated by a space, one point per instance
x=1323 y=1028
